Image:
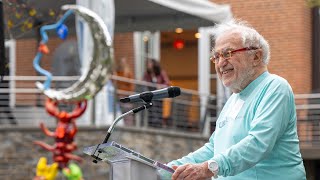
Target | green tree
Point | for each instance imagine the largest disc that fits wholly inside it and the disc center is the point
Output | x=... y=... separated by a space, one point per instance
x=313 y=3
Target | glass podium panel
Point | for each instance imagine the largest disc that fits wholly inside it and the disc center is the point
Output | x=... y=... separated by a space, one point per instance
x=113 y=152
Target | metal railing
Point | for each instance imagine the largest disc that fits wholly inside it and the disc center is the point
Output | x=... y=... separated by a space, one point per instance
x=22 y=104
x=185 y=112
x=308 y=115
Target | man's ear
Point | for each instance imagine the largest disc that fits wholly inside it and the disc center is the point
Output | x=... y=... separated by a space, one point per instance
x=257 y=57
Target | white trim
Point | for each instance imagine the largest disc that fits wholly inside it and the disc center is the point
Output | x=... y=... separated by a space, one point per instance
x=11 y=44
x=139 y=50
x=202 y=8
x=204 y=68
x=138 y=54
x=156 y=45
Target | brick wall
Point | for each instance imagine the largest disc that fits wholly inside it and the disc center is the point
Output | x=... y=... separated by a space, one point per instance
x=26 y=50
x=123 y=47
x=287 y=26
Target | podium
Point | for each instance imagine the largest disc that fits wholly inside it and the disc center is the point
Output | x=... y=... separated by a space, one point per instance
x=126 y=164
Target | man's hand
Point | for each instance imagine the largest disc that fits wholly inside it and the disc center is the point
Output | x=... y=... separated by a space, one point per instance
x=192 y=172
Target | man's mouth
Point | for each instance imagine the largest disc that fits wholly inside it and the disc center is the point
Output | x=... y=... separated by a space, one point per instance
x=226 y=71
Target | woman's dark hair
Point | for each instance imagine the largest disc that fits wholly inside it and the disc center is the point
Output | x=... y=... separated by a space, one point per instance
x=155 y=66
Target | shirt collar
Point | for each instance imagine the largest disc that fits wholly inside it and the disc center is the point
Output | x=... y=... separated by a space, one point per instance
x=253 y=85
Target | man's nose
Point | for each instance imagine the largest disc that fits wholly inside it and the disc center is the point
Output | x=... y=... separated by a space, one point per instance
x=222 y=62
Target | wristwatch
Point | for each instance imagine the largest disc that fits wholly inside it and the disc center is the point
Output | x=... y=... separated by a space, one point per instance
x=213 y=167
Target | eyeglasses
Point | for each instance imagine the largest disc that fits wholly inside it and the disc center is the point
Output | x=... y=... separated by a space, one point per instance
x=227 y=54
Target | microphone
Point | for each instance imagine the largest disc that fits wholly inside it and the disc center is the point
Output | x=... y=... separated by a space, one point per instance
x=169 y=92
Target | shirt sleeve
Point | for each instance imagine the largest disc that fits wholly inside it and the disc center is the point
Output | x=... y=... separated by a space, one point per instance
x=270 y=120
x=203 y=154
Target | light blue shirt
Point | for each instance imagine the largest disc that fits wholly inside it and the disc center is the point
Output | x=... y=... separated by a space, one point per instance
x=256 y=135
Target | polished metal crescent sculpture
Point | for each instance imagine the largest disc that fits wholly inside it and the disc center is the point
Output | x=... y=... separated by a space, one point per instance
x=100 y=68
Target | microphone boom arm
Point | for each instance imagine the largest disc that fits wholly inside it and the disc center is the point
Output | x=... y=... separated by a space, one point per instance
x=111 y=128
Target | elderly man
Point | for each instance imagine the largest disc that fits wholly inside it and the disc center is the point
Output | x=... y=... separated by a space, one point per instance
x=256 y=133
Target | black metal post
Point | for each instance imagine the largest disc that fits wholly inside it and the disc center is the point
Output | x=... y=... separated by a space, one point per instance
x=2 y=45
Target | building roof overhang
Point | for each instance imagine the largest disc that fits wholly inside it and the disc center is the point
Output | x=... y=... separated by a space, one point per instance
x=136 y=15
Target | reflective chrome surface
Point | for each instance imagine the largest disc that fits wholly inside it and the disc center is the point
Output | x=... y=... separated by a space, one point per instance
x=99 y=71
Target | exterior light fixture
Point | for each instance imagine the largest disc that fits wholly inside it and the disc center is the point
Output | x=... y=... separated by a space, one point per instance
x=179 y=30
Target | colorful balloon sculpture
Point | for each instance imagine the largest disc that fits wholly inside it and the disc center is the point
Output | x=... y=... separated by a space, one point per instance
x=73 y=172
x=64 y=133
x=89 y=84
x=46 y=172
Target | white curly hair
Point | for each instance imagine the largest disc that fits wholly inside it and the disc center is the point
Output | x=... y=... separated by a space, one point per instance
x=250 y=37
